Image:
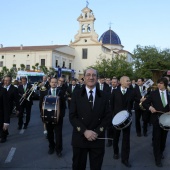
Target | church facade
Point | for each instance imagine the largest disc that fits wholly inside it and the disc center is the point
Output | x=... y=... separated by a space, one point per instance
x=82 y=52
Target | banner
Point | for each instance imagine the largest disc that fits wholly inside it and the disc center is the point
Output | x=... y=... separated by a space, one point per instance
x=59 y=72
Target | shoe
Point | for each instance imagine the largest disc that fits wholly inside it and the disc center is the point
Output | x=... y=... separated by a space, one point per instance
x=51 y=151
x=145 y=134
x=59 y=154
x=139 y=134
x=109 y=143
x=25 y=127
x=2 y=140
x=116 y=156
x=158 y=164
x=126 y=163
x=19 y=127
x=162 y=157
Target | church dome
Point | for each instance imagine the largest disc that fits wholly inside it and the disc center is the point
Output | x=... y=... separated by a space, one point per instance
x=110 y=37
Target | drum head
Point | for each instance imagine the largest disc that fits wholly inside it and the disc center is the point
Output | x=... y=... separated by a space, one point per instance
x=164 y=120
x=120 y=117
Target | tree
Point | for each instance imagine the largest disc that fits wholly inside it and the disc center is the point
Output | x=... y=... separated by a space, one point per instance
x=118 y=66
x=44 y=69
x=147 y=58
x=36 y=65
x=22 y=67
x=33 y=67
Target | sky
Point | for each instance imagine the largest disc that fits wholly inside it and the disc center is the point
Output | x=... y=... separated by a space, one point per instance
x=54 y=22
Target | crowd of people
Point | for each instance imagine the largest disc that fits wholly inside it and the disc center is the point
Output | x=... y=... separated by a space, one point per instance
x=93 y=102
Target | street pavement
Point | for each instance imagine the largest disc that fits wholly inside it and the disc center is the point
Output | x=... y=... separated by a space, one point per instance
x=28 y=149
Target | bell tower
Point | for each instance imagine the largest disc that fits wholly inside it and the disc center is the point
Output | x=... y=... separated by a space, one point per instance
x=86 y=27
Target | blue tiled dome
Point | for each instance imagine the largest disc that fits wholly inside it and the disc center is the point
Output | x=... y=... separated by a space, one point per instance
x=110 y=37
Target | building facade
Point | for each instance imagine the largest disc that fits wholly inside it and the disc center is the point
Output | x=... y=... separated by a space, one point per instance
x=84 y=51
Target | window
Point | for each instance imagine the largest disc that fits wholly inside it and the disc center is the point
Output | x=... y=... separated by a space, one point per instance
x=42 y=62
x=27 y=67
x=69 y=65
x=1 y=63
x=2 y=57
x=56 y=63
x=64 y=64
x=84 y=53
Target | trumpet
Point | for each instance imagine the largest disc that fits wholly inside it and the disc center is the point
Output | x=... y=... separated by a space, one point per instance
x=144 y=95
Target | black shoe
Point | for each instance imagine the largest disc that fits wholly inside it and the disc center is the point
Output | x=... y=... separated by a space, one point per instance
x=145 y=134
x=139 y=134
x=19 y=127
x=59 y=154
x=2 y=140
x=162 y=157
x=25 y=127
x=126 y=163
x=109 y=143
x=158 y=164
x=116 y=156
x=51 y=151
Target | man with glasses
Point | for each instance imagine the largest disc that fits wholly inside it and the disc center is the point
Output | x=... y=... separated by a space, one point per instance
x=89 y=116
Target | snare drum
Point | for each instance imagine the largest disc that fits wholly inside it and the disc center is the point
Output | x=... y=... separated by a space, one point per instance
x=122 y=120
x=164 y=121
x=50 y=109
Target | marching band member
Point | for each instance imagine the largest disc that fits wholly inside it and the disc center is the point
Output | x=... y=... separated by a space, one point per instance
x=43 y=87
x=24 y=91
x=110 y=132
x=72 y=87
x=89 y=115
x=4 y=114
x=158 y=101
x=122 y=99
x=54 y=131
x=140 y=97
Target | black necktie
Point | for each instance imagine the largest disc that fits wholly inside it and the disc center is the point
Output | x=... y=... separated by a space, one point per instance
x=91 y=99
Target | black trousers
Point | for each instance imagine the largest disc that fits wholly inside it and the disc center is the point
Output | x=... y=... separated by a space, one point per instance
x=25 y=106
x=110 y=132
x=54 y=132
x=80 y=158
x=145 y=118
x=125 y=149
x=159 y=141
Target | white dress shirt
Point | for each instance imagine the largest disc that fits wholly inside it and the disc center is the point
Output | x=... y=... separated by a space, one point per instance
x=88 y=93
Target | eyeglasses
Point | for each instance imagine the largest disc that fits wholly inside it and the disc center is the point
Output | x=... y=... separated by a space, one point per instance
x=91 y=75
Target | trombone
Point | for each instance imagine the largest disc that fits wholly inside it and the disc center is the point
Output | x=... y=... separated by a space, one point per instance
x=32 y=90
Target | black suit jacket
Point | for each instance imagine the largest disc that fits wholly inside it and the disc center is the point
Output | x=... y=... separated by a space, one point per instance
x=121 y=102
x=105 y=87
x=137 y=97
x=154 y=99
x=21 y=92
x=82 y=118
x=13 y=97
x=4 y=106
x=69 y=90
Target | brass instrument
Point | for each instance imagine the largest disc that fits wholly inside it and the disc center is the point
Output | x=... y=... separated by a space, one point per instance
x=42 y=87
x=32 y=90
x=144 y=95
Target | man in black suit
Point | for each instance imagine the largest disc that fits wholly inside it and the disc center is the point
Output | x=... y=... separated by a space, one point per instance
x=13 y=99
x=139 y=96
x=72 y=88
x=24 y=91
x=89 y=115
x=13 y=95
x=122 y=99
x=4 y=114
x=110 y=132
x=54 y=131
x=102 y=85
x=158 y=101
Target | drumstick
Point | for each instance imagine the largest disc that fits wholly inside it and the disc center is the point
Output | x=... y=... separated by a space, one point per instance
x=105 y=138
x=45 y=130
